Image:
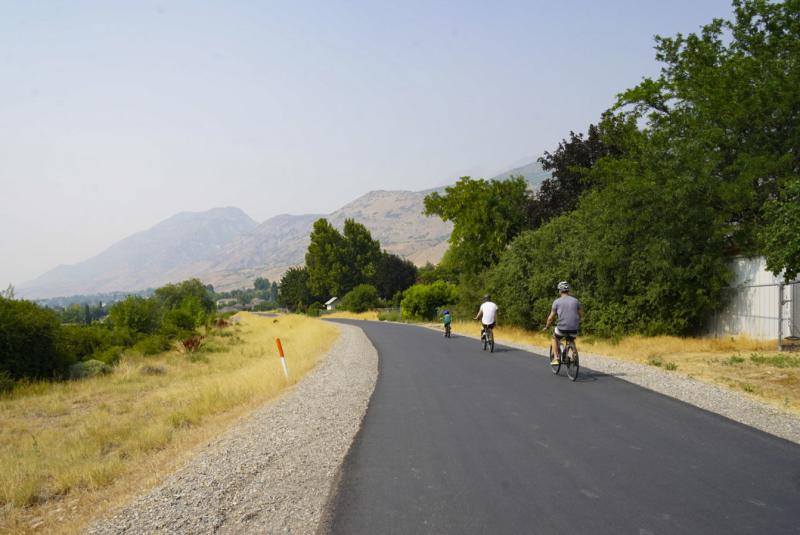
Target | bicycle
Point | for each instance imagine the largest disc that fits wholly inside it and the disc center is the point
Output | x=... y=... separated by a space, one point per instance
x=447 y=330
x=487 y=337
x=568 y=357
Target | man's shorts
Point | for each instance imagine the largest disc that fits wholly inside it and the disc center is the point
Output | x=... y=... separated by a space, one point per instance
x=561 y=333
x=491 y=326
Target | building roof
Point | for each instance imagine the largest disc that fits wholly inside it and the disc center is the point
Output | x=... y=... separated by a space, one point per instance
x=331 y=301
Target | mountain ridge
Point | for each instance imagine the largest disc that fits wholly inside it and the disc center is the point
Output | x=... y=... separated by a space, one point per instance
x=225 y=247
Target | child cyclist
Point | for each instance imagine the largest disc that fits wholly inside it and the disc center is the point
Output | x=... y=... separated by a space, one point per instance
x=447 y=320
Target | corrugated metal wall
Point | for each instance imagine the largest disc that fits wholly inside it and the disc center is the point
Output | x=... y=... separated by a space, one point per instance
x=753 y=303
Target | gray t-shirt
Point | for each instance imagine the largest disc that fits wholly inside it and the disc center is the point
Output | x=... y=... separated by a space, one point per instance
x=566 y=308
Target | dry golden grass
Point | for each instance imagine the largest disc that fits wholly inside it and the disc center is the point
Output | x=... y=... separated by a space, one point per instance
x=371 y=315
x=740 y=363
x=69 y=451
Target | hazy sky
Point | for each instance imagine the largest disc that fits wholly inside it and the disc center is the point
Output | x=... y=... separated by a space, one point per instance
x=114 y=116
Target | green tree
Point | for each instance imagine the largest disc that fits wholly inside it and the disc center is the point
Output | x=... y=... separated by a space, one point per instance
x=781 y=234
x=393 y=274
x=325 y=259
x=137 y=314
x=361 y=298
x=361 y=256
x=643 y=255
x=727 y=97
x=422 y=301
x=190 y=294
x=295 y=293
x=486 y=216
x=261 y=283
x=569 y=164
x=30 y=341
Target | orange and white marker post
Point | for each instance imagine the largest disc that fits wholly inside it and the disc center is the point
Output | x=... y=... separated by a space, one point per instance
x=283 y=358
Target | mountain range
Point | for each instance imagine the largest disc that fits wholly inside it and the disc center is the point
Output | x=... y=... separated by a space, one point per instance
x=226 y=248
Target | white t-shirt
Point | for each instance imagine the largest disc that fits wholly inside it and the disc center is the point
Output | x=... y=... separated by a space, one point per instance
x=489 y=310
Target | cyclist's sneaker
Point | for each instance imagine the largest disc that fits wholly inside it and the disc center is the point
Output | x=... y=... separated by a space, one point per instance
x=555 y=361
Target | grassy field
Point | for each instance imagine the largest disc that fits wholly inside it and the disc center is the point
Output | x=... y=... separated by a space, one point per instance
x=343 y=314
x=71 y=450
x=742 y=364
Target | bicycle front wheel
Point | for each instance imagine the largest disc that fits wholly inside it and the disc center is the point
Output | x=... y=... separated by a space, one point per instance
x=573 y=362
x=555 y=367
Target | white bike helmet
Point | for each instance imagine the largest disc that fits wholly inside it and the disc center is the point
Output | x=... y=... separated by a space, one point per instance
x=563 y=286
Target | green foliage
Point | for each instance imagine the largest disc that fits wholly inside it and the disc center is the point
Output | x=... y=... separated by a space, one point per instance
x=109 y=355
x=81 y=341
x=30 y=345
x=361 y=298
x=569 y=164
x=393 y=274
x=780 y=236
x=728 y=97
x=261 y=283
x=88 y=368
x=643 y=257
x=314 y=309
x=390 y=315
x=178 y=323
x=294 y=289
x=422 y=301
x=486 y=216
x=137 y=314
x=152 y=345
x=192 y=291
x=337 y=262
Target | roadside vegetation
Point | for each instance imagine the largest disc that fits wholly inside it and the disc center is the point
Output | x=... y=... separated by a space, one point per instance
x=71 y=449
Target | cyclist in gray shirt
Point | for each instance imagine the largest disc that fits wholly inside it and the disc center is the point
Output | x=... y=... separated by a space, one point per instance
x=569 y=312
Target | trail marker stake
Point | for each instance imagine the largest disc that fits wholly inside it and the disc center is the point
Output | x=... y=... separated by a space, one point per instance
x=283 y=359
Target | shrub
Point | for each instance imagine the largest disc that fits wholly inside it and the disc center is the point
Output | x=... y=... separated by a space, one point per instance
x=81 y=341
x=152 y=345
x=177 y=323
x=30 y=344
x=361 y=298
x=109 y=355
x=314 y=309
x=88 y=368
x=389 y=315
x=422 y=301
x=136 y=314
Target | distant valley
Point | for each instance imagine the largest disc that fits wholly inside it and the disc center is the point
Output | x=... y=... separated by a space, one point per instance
x=226 y=248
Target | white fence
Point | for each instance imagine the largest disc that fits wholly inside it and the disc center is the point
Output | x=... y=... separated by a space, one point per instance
x=760 y=305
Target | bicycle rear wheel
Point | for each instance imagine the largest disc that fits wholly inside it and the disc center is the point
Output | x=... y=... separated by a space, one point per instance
x=573 y=362
x=555 y=367
x=485 y=341
x=491 y=341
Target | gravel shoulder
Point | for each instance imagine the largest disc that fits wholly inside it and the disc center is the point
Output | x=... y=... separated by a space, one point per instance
x=712 y=398
x=273 y=472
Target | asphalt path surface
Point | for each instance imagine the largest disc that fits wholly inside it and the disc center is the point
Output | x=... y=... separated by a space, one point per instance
x=460 y=441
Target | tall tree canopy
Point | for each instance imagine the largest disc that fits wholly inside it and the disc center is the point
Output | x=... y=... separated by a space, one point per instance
x=486 y=216
x=338 y=262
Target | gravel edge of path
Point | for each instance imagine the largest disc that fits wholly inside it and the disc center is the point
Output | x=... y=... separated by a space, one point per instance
x=707 y=396
x=273 y=471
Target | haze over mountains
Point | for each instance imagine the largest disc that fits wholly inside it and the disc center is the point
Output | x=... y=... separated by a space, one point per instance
x=226 y=248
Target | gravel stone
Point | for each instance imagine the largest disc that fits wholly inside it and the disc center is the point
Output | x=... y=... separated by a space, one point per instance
x=272 y=472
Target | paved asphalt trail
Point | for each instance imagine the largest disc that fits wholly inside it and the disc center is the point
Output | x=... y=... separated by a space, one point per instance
x=461 y=441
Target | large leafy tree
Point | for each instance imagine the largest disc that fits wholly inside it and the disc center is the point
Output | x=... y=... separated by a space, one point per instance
x=338 y=262
x=294 y=289
x=393 y=275
x=569 y=166
x=728 y=97
x=781 y=233
x=486 y=216
x=324 y=259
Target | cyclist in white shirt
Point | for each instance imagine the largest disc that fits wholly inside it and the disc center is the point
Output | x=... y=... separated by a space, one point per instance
x=487 y=314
